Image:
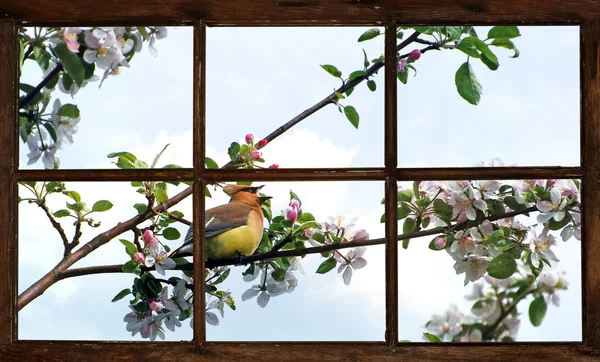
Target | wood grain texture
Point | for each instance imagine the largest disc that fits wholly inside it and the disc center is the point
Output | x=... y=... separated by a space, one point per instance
x=8 y=146
x=234 y=351
x=151 y=12
x=591 y=181
x=391 y=187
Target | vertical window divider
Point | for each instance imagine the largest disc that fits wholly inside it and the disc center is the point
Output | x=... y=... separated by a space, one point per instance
x=590 y=140
x=9 y=55
x=199 y=137
x=391 y=186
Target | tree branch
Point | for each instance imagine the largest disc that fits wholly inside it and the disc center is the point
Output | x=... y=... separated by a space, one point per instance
x=56 y=225
x=29 y=96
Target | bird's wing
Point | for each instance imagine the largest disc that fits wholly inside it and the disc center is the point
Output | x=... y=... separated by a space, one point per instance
x=225 y=217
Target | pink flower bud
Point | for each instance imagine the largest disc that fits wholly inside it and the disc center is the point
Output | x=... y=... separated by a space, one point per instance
x=249 y=138
x=139 y=257
x=255 y=155
x=295 y=204
x=156 y=306
x=148 y=236
x=291 y=214
x=262 y=143
x=360 y=234
x=550 y=182
x=414 y=55
x=274 y=166
x=402 y=65
x=440 y=243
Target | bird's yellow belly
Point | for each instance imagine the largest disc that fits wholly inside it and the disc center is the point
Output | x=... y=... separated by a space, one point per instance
x=242 y=240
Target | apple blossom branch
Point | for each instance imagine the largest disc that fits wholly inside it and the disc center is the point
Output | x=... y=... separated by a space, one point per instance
x=117 y=268
x=40 y=286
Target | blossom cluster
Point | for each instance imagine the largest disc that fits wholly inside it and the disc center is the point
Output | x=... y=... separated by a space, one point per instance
x=485 y=240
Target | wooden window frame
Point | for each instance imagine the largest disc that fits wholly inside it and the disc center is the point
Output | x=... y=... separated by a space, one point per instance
x=388 y=13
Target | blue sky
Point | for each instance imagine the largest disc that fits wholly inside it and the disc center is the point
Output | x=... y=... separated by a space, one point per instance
x=258 y=78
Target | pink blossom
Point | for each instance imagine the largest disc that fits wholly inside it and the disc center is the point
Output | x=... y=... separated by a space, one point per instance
x=249 y=138
x=402 y=65
x=414 y=55
x=295 y=204
x=359 y=235
x=255 y=155
x=148 y=236
x=274 y=166
x=156 y=306
x=139 y=257
x=291 y=214
x=70 y=38
x=262 y=143
x=439 y=242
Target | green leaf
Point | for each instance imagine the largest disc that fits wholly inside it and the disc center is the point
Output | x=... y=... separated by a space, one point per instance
x=512 y=203
x=210 y=163
x=157 y=157
x=129 y=156
x=61 y=213
x=371 y=85
x=369 y=34
x=233 y=151
x=537 y=310
x=73 y=195
x=432 y=337
x=122 y=294
x=102 y=205
x=68 y=110
x=305 y=217
x=487 y=56
x=442 y=209
x=348 y=92
x=365 y=60
x=222 y=277
x=506 y=43
x=402 y=76
x=130 y=248
x=352 y=115
x=467 y=84
x=502 y=266
x=331 y=69
x=77 y=206
x=161 y=196
x=327 y=265
x=403 y=211
x=557 y=225
x=71 y=62
x=50 y=130
x=141 y=208
x=130 y=267
x=468 y=48
x=508 y=32
x=26 y=88
x=171 y=234
x=356 y=74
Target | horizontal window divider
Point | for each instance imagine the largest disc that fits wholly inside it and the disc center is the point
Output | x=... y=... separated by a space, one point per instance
x=294 y=12
x=185 y=351
x=155 y=174
x=294 y=174
x=483 y=173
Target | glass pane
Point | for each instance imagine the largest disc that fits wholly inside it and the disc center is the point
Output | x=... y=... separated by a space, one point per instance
x=144 y=103
x=495 y=274
x=79 y=306
x=335 y=296
x=528 y=111
x=260 y=78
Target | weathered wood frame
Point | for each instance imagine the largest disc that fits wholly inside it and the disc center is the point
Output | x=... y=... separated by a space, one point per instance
x=585 y=13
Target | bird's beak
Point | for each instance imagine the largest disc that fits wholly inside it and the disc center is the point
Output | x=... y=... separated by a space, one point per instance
x=264 y=198
x=255 y=189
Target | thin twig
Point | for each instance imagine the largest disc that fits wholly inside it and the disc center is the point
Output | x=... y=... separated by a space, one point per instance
x=29 y=96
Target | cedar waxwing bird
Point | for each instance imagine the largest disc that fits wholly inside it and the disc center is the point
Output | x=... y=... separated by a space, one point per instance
x=233 y=229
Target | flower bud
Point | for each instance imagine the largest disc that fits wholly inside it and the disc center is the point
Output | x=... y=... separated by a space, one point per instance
x=262 y=143
x=255 y=155
x=148 y=236
x=414 y=55
x=402 y=65
x=295 y=204
x=156 y=306
x=360 y=234
x=439 y=242
x=291 y=214
x=274 y=166
x=249 y=138
x=550 y=182
x=139 y=257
